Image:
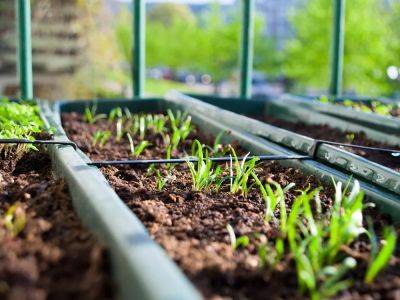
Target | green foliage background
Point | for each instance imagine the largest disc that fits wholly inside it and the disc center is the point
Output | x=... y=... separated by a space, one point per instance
x=369 y=38
x=210 y=43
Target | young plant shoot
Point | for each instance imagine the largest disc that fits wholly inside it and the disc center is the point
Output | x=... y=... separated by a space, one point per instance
x=240 y=173
x=203 y=171
x=90 y=115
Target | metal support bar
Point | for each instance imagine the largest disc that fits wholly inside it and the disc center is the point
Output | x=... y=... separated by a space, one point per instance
x=139 y=23
x=337 y=47
x=23 y=20
x=246 y=71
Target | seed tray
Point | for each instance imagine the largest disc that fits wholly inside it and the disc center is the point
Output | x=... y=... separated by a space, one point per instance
x=333 y=156
x=385 y=124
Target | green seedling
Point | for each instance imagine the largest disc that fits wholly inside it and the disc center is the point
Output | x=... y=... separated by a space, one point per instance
x=142 y=127
x=379 y=260
x=180 y=124
x=100 y=138
x=316 y=243
x=315 y=240
x=242 y=241
x=203 y=172
x=270 y=253
x=240 y=173
x=15 y=219
x=90 y=115
x=119 y=129
x=128 y=113
x=137 y=150
x=161 y=181
x=375 y=106
x=273 y=198
x=18 y=120
x=115 y=113
x=350 y=137
x=156 y=123
x=177 y=119
x=381 y=108
x=151 y=169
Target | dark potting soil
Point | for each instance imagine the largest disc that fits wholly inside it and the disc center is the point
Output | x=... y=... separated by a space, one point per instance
x=191 y=226
x=326 y=132
x=53 y=257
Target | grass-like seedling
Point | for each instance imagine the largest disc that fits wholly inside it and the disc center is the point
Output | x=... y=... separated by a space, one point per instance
x=15 y=219
x=240 y=173
x=161 y=181
x=137 y=150
x=100 y=138
x=242 y=241
x=316 y=240
x=115 y=113
x=19 y=120
x=203 y=171
x=90 y=115
x=377 y=107
x=181 y=124
x=119 y=129
x=272 y=198
x=380 y=259
x=156 y=123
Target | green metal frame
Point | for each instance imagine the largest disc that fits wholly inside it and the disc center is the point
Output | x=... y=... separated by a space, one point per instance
x=247 y=51
x=139 y=66
x=23 y=22
x=139 y=47
x=337 y=47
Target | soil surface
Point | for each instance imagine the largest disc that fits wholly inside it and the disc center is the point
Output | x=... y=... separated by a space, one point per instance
x=326 y=132
x=191 y=226
x=53 y=257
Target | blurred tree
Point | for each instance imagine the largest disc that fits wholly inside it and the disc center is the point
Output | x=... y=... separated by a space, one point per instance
x=208 y=44
x=167 y=13
x=367 y=55
x=395 y=42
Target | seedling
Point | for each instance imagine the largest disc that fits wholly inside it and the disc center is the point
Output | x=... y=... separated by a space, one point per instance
x=161 y=181
x=142 y=127
x=119 y=129
x=203 y=173
x=156 y=123
x=115 y=113
x=240 y=173
x=380 y=260
x=18 y=120
x=242 y=241
x=375 y=106
x=273 y=198
x=15 y=219
x=180 y=124
x=100 y=138
x=316 y=241
x=350 y=137
x=137 y=150
x=90 y=115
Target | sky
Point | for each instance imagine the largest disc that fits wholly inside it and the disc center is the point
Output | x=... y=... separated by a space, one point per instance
x=188 y=1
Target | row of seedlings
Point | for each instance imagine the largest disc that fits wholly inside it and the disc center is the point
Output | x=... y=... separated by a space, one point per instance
x=45 y=252
x=382 y=115
x=302 y=128
x=244 y=228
